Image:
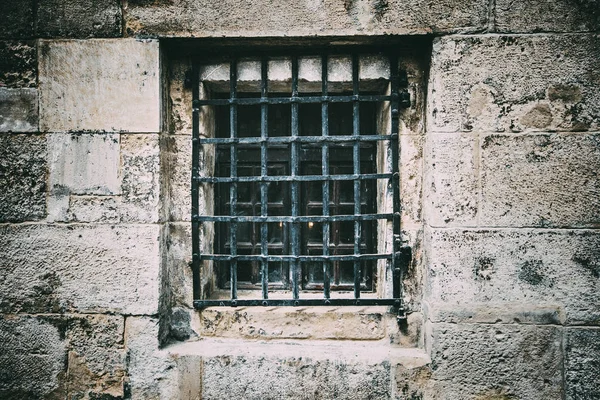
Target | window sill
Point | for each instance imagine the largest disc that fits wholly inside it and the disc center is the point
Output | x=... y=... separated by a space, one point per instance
x=351 y=351
x=348 y=323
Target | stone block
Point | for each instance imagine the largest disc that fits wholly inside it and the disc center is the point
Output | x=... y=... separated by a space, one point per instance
x=52 y=355
x=17 y=16
x=472 y=361
x=18 y=63
x=290 y=369
x=86 y=163
x=547 y=16
x=78 y=19
x=179 y=242
x=582 y=363
x=151 y=371
x=180 y=98
x=317 y=323
x=179 y=160
x=289 y=18
x=537 y=268
x=100 y=85
x=18 y=110
x=140 y=160
x=506 y=313
x=411 y=179
x=32 y=357
x=91 y=268
x=479 y=83
x=23 y=170
x=451 y=180
x=546 y=180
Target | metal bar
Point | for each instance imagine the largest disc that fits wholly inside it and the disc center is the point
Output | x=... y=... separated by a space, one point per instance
x=299 y=139
x=264 y=120
x=298 y=302
x=301 y=258
x=356 y=171
x=395 y=180
x=290 y=100
x=195 y=184
x=297 y=178
x=233 y=174
x=295 y=195
x=298 y=219
x=325 y=172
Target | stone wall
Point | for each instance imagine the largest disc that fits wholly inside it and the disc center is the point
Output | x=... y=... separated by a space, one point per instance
x=500 y=156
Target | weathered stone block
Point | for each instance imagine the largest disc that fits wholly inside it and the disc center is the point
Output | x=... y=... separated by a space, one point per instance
x=288 y=18
x=92 y=268
x=32 y=357
x=78 y=19
x=451 y=180
x=18 y=110
x=84 y=163
x=294 y=369
x=479 y=83
x=179 y=242
x=547 y=16
x=140 y=160
x=514 y=361
x=548 y=180
x=411 y=179
x=17 y=18
x=105 y=85
x=537 y=268
x=505 y=313
x=180 y=98
x=52 y=355
x=179 y=159
x=318 y=323
x=151 y=371
x=23 y=170
x=582 y=375
x=18 y=63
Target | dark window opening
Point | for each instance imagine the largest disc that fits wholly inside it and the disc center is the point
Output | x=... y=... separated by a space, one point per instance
x=303 y=177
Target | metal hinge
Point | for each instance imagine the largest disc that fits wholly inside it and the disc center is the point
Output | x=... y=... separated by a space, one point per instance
x=402 y=260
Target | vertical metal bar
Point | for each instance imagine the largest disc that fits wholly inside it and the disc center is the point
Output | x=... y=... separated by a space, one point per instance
x=295 y=193
x=233 y=173
x=195 y=183
x=325 y=171
x=395 y=179
x=356 y=171
x=264 y=119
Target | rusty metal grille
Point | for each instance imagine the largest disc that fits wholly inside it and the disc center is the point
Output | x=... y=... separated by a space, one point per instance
x=236 y=146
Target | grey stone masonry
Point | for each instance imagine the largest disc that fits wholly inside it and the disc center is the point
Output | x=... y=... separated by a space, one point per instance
x=18 y=63
x=481 y=361
x=292 y=18
x=23 y=170
x=537 y=268
x=582 y=363
x=497 y=83
x=99 y=85
x=546 y=16
x=79 y=18
x=88 y=268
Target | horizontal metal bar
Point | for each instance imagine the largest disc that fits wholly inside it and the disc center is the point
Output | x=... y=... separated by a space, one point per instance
x=306 y=218
x=288 y=100
x=303 y=258
x=298 y=302
x=297 y=139
x=287 y=178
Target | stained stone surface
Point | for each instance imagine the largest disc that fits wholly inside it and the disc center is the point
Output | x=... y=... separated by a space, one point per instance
x=23 y=171
x=513 y=83
x=113 y=85
x=91 y=268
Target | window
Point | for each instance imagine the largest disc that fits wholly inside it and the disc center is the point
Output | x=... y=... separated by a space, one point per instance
x=295 y=193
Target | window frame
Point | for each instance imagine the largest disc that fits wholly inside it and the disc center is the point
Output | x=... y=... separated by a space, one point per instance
x=397 y=98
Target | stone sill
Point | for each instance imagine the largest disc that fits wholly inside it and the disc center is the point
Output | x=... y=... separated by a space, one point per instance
x=350 y=352
x=309 y=323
